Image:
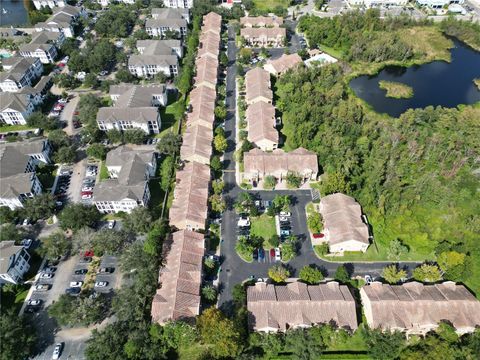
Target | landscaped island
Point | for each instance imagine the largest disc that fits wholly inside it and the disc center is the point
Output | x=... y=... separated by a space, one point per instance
x=396 y=90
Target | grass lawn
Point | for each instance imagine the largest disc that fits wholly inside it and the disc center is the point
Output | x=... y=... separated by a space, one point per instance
x=7 y=128
x=46 y=174
x=263 y=226
x=103 y=171
x=194 y=351
x=270 y=4
x=170 y=116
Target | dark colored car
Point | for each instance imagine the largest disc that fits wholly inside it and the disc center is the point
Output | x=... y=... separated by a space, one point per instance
x=73 y=291
x=255 y=254
x=32 y=309
x=87 y=259
x=261 y=254
x=106 y=270
x=81 y=271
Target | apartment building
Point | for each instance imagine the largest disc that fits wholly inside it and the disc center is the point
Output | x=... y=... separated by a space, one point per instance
x=168 y=22
x=15 y=108
x=40 y=4
x=284 y=63
x=261 y=21
x=44 y=45
x=19 y=72
x=127 y=187
x=130 y=95
x=14 y=262
x=264 y=37
x=154 y=56
x=63 y=20
x=260 y=118
x=178 y=4
x=129 y=118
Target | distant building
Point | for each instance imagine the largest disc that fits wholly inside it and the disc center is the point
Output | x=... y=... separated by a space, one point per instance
x=377 y=3
x=44 y=45
x=155 y=56
x=261 y=21
x=19 y=72
x=415 y=308
x=63 y=20
x=278 y=163
x=40 y=4
x=343 y=224
x=264 y=37
x=18 y=162
x=283 y=64
x=278 y=308
x=438 y=4
x=180 y=280
x=14 y=262
x=165 y=20
x=178 y=4
x=129 y=171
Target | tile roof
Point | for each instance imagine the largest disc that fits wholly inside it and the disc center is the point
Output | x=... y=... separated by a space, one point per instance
x=257 y=84
x=262 y=32
x=209 y=45
x=212 y=22
x=131 y=95
x=261 y=21
x=178 y=297
x=283 y=63
x=206 y=71
x=202 y=100
x=414 y=306
x=261 y=122
x=342 y=217
x=197 y=144
x=280 y=307
x=298 y=160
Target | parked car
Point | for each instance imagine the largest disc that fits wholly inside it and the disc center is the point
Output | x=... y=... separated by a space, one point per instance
x=76 y=284
x=87 y=259
x=284 y=232
x=255 y=254
x=267 y=204
x=261 y=254
x=86 y=197
x=106 y=270
x=81 y=271
x=73 y=291
x=111 y=224
x=278 y=256
x=243 y=222
x=285 y=213
x=63 y=101
x=46 y=276
x=26 y=222
x=283 y=218
x=87 y=189
x=272 y=253
x=35 y=302
x=41 y=287
x=31 y=309
x=26 y=243
x=368 y=279
x=50 y=269
x=57 y=351
x=101 y=284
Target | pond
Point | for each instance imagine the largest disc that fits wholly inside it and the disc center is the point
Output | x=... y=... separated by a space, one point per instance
x=12 y=12
x=436 y=83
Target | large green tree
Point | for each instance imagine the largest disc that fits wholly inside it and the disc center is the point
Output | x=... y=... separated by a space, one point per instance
x=310 y=275
x=17 y=337
x=55 y=245
x=76 y=216
x=39 y=207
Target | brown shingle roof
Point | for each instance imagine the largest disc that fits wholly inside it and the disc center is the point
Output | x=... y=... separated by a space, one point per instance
x=261 y=122
x=283 y=63
x=197 y=144
x=180 y=278
x=209 y=45
x=206 y=71
x=257 y=84
x=261 y=21
x=298 y=160
x=416 y=307
x=202 y=100
x=279 y=307
x=274 y=33
x=212 y=22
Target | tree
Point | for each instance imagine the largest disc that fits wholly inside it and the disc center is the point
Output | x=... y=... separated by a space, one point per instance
x=123 y=75
x=135 y=136
x=220 y=143
x=427 y=273
x=282 y=202
x=244 y=202
x=169 y=144
x=218 y=186
x=115 y=136
x=278 y=273
x=220 y=332
x=216 y=164
x=39 y=207
x=37 y=119
x=166 y=172
x=245 y=54
x=77 y=216
x=311 y=275
x=210 y=263
x=220 y=114
x=58 y=138
x=97 y=151
x=294 y=181
x=447 y=332
x=55 y=245
x=452 y=263
x=269 y=182
x=315 y=222
x=82 y=239
x=138 y=221
x=392 y=274
x=384 y=345
x=342 y=274
x=17 y=336
x=333 y=183
x=223 y=59
x=10 y=232
x=217 y=203
x=289 y=248
x=396 y=249
x=91 y=81
x=66 y=81
x=209 y=293
x=65 y=155
x=7 y=215
x=274 y=241
x=109 y=242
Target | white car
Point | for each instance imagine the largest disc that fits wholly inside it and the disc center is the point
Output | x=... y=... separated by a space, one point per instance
x=86 y=197
x=34 y=302
x=76 y=284
x=57 y=351
x=63 y=101
x=111 y=224
x=278 y=256
x=368 y=279
x=101 y=284
x=285 y=213
x=46 y=276
x=26 y=243
x=243 y=222
x=41 y=287
x=87 y=188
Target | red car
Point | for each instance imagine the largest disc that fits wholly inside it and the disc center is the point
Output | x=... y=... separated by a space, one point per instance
x=89 y=253
x=318 y=236
x=272 y=253
x=86 y=193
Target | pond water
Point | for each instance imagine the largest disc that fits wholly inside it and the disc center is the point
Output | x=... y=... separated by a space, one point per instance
x=435 y=83
x=16 y=14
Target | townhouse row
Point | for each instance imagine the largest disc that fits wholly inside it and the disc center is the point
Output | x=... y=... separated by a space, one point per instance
x=263 y=31
x=180 y=279
x=412 y=308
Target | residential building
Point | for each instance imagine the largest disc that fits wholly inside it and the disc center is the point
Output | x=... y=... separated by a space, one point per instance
x=19 y=72
x=264 y=37
x=212 y=23
x=343 y=224
x=63 y=20
x=127 y=187
x=438 y=4
x=260 y=118
x=377 y=3
x=18 y=162
x=415 y=308
x=202 y=107
x=261 y=21
x=278 y=163
x=40 y=4
x=190 y=204
x=167 y=22
x=178 y=294
x=320 y=59
x=128 y=118
x=209 y=45
x=197 y=144
x=15 y=108
x=283 y=64
x=47 y=53
x=130 y=95
x=155 y=56
x=257 y=86
x=14 y=262
x=206 y=72
x=168 y=47
x=178 y=4
x=278 y=308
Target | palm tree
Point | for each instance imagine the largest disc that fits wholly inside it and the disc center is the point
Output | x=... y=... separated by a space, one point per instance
x=209 y=293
